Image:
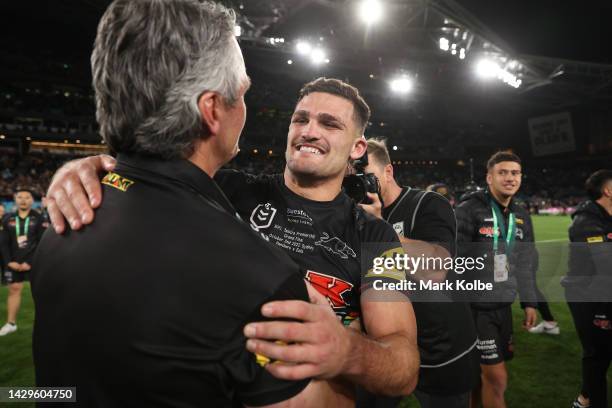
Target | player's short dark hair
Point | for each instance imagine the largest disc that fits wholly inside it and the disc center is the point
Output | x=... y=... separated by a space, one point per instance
x=23 y=189
x=502 y=156
x=361 y=110
x=595 y=183
x=377 y=148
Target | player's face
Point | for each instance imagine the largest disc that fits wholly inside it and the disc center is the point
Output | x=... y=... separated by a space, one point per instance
x=323 y=135
x=505 y=178
x=23 y=200
x=374 y=166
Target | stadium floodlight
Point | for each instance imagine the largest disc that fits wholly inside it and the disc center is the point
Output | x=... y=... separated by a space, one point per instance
x=401 y=85
x=237 y=30
x=462 y=53
x=394 y=147
x=317 y=56
x=444 y=44
x=303 y=47
x=370 y=11
x=289 y=62
x=487 y=68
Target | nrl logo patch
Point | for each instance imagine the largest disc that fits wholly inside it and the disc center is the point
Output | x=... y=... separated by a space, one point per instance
x=262 y=216
x=399 y=227
x=116 y=181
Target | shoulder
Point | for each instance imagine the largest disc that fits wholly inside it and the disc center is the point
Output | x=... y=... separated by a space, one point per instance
x=373 y=228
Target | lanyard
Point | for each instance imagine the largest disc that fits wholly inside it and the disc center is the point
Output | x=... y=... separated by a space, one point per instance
x=25 y=227
x=508 y=236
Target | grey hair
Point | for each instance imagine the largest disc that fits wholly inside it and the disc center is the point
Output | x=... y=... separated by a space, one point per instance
x=151 y=62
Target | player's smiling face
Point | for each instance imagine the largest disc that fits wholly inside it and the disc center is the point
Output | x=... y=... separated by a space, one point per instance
x=322 y=136
x=505 y=178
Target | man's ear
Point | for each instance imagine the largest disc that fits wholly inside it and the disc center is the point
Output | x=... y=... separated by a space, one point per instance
x=489 y=179
x=359 y=148
x=209 y=105
x=389 y=171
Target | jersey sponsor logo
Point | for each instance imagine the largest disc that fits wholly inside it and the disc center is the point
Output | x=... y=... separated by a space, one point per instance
x=602 y=322
x=116 y=181
x=610 y=236
x=486 y=231
x=299 y=216
x=519 y=221
x=262 y=216
x=12 y=223
x=336 y=246
x=331 y=287
x=399 y=227
x=592 y=240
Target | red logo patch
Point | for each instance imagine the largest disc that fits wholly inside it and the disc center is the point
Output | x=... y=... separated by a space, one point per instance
x=330 y=287
x=487 y=231
x=610 y=236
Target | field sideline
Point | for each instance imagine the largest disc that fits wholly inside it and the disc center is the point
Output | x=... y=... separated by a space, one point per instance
x=545 y=372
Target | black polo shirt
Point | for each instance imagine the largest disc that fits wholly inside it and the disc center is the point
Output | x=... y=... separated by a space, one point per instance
x=146 y=306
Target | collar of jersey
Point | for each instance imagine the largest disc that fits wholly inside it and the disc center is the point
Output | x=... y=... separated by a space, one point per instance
x=337 y=200
x=180 y=170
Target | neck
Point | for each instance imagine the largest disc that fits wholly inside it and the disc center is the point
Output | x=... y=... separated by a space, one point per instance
x=205 y=160
x=316 y=190
x=392 y=192
x=23 y=213
x=503 y=200
x=606 y=204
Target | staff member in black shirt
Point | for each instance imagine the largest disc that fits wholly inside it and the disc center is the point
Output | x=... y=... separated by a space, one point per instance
x=425 y=221
x=304 y=212
x=21 y=232
x=141 y=323
x=492 y=226
x=588 y=287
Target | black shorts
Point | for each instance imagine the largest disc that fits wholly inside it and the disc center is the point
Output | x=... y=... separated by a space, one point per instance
x=9 y=276
x=494 y=329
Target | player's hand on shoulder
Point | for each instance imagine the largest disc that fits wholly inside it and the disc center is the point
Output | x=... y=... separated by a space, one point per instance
x=375 y=207
x=76 y=190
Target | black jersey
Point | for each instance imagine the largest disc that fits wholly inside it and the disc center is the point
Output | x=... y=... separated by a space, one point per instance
x=146 y=306
x=335 y=241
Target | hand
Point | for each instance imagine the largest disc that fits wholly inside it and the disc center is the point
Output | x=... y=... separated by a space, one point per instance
x=375 y=208
x=530 y=318
x=317 y=346
x=15 y=266
x=76 y=190
x=25 y=267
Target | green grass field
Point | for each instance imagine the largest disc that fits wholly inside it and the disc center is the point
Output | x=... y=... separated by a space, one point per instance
x=545 y=372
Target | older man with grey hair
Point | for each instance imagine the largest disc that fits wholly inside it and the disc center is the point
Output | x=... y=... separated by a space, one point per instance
x=131 y=321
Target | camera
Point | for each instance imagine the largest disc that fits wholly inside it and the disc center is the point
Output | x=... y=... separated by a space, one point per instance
x=360 y=183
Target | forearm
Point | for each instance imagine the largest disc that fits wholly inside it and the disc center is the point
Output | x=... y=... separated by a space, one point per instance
x=386 y=366
x=415 y=249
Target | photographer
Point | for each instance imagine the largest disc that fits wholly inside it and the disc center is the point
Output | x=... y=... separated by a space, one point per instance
x=425 y=222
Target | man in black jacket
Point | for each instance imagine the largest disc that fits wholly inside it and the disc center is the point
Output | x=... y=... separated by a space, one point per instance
x=588 y=287
x=491 y=225
x=21 y=232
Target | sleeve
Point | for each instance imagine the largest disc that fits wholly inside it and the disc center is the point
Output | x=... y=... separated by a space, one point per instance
x=255 y=385
x=231 y=182
x=435 y=223
x=527 y=265
x=380 y=249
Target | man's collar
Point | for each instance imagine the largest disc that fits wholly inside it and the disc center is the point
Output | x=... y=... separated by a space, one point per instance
x=181 y=170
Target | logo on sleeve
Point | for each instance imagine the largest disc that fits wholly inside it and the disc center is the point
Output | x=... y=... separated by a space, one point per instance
x=262 y=216
x=399 y=228
x=331 y=287
x=519 y=220
x=609 y=236
x=116 y=181
x=592 y=240
x=336 y=246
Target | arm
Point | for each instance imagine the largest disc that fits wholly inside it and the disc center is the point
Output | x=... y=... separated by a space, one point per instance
x=76 y=190
x=526 y=268
x=319 y=346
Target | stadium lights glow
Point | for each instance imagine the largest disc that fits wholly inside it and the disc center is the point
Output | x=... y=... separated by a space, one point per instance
x=489 y=69
x=318 y=56
x=444 y=44
x=289 y=62
x=394 y=147
x=401 y=85
x=370 y=11
x=237 y=30
x=303 y=47
x=462 y=53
